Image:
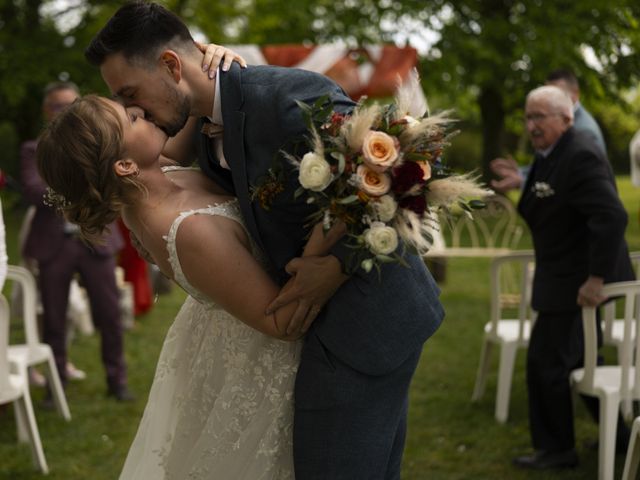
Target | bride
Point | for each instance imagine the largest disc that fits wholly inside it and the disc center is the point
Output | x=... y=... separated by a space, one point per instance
x=221 y=402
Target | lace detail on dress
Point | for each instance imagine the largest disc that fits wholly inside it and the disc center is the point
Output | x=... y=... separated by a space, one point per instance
x=221 y=403
x=230 y=209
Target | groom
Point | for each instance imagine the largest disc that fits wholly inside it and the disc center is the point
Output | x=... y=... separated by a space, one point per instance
x=351 y=392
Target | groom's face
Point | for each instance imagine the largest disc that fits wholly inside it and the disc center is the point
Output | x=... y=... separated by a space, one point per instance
x=149 y=87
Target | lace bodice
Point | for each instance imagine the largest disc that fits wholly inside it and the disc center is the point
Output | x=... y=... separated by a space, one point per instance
x=229 y=209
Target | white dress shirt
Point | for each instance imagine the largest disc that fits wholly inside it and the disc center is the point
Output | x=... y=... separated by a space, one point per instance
x=216 y=117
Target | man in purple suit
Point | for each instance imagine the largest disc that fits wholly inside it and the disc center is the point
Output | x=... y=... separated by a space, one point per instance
x=60 y=253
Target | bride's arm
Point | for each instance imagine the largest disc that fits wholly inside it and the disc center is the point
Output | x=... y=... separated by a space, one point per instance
x=216 y=260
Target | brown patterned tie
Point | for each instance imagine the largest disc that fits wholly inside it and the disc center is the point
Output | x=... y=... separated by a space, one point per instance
x=212 y=130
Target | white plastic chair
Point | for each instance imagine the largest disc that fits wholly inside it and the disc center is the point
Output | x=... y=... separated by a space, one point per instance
x=612 y=384
x=612 y=327
x=15 y=389
x=511 y=282
x=632 y=460
x=34 y=352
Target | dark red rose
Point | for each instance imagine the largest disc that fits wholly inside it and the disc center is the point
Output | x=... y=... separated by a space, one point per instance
x=337 y=118
x=406 y=176
x=416 y=204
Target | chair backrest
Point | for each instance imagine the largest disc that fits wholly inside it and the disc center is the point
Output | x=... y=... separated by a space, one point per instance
x=4 y=341
x=511 y=285
x=627 y=293
x=609 y=309
x=29 y=302
x=494 y=226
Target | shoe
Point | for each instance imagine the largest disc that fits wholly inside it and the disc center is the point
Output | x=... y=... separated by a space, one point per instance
x=121 y=393
x=75 y=374
x=543 y=460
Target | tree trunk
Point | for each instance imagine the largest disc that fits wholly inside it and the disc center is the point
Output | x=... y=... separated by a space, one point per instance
x=492 y=113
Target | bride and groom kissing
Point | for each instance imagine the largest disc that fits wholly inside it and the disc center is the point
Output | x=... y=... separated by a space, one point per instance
x=230 y=398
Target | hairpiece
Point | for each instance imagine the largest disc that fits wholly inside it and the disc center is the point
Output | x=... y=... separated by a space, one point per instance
x=51 y=198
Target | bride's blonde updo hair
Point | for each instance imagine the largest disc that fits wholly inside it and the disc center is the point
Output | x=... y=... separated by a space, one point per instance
x=76 y=153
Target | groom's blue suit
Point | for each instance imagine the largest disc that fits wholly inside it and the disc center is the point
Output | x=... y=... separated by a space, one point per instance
x=360 y=354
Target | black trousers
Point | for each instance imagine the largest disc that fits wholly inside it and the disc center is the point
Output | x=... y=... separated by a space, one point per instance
x=555 y=349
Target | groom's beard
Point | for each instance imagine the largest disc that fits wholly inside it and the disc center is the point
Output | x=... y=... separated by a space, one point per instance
x=182 y=107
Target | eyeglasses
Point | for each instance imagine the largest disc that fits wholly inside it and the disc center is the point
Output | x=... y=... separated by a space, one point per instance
x=538 y=117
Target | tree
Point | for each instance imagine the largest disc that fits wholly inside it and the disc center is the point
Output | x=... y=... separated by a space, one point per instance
x=490 y=52
x=502 y=48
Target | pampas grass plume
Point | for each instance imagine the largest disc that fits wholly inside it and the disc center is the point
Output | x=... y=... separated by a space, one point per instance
x=446 y=191
x=358 y=125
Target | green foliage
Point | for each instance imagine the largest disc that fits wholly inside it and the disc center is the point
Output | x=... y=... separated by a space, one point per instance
x=502 y=49
x=488 y=56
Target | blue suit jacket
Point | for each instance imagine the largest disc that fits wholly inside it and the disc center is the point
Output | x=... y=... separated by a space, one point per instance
x=372 y=325
x=583 y=121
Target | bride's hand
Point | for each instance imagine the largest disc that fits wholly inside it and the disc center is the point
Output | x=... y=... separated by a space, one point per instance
x=320 y=243
x=214 y=55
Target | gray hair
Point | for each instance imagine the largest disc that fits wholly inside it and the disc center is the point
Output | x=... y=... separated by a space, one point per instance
x=55 y=86
x=555 y=97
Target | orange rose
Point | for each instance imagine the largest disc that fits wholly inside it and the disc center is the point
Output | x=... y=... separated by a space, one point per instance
x=380 y=151
x=426 y=170
x=373 y=183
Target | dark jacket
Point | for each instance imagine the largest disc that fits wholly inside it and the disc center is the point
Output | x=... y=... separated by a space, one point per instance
x=577 y=221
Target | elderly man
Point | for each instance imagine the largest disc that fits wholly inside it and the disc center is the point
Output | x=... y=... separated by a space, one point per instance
x=577 y=222
x=512 y=176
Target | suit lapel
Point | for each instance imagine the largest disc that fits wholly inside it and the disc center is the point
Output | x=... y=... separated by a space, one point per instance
x=542 y=171
x=233 y=144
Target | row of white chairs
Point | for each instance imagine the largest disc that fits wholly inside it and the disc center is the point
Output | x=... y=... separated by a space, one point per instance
x=15 y=360
x=616 y=386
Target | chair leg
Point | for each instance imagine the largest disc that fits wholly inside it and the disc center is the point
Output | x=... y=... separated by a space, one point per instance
x=21 y=419
x=632 y=459
x=483 y=370
x=26 y=407
x=505 y=374
x=609 y=406
x=59 y=397
x=21 y=424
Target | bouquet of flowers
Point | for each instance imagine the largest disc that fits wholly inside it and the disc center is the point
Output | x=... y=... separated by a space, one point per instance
x=379 y=170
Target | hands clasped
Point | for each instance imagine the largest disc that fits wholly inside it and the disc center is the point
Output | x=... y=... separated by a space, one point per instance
x=316 y=276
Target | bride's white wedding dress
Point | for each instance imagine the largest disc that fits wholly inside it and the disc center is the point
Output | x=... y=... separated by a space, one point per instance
x=221 y=404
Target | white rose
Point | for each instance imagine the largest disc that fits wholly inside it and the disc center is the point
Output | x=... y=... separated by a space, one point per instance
x=386 y=207
x=372 y=182
x=315 y=172
x=382 y=240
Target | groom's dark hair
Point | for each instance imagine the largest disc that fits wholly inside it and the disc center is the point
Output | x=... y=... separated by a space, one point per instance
x=136 y=30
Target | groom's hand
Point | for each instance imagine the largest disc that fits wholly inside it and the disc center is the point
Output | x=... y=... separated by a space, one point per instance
x=314 y=281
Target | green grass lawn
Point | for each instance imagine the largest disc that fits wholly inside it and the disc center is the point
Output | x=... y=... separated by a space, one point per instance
x=448 y=437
